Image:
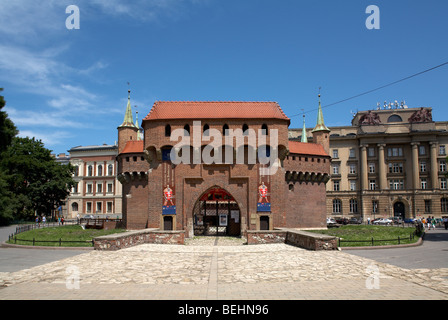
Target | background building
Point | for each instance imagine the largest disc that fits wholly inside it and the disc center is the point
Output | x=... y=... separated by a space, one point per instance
x=98 y=191
x=390 y=162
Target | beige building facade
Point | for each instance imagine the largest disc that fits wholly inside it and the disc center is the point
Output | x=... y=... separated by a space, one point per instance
x=98 y=191
x=389 y=162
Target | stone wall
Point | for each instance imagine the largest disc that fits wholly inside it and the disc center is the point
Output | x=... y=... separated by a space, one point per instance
x=132 y=238
x=302 y=239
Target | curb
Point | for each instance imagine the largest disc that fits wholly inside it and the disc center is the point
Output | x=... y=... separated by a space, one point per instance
x=19 y=246
x=397 y=246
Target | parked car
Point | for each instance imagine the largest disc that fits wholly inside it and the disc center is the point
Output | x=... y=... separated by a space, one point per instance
x=410 y=220
x=343 y=221
x=383 y=221
x=89 y=216
x=331 y=223
x=354 y=220
x=397 y=220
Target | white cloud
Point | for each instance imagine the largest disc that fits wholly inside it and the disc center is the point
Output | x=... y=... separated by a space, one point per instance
x=49 y=139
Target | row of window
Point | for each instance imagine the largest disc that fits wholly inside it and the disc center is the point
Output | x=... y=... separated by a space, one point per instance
x=99 y=188
x=393 y=167
x=206 y=128
x=391 y=152
x=99 y=170
x=394 y=184
x=353 y=206
x=98 y=207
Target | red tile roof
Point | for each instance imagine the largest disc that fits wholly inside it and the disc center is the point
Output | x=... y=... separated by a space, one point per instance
x=164 y=110
x=306 y=148
x=133 y=147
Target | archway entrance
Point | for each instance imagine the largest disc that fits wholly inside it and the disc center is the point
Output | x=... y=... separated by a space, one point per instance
x=399 y=209
x=216 y=213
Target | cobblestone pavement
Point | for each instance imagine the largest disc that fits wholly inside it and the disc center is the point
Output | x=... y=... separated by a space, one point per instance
x=222 y=268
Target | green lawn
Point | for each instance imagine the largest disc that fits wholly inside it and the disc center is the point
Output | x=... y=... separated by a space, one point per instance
x=65 y=233
x=367 y=232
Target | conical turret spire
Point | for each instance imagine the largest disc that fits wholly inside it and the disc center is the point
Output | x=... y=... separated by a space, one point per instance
x=304 y=137
x=320 y=126
x=128 y=119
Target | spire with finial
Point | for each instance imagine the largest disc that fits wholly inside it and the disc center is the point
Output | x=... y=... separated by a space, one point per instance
x=128 y=119
x=320 y=125
x=139 y=133
x=304 y=137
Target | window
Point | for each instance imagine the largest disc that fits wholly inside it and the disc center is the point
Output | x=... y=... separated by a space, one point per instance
x=89 y=188
x=371 y=168
x=74 y=206
x=353 y=206
x=90 y=171
x=109 y=207
x=352 y=169
x=352 y=153
x=421 y=150
x=396 y=167
x=337 y=206
x=110 y=170
x=427 y=206
x=100 y=170
x=205 y=130
x=444 y=205
x=76 y=171
x=167 y=130
x=395 y=152
x=374 y=206
x=442 y=150
x=442 y=165
x=443 y=184
x=336 y=185
x=396 y=184
x=264 y=129
x=99 y=188
x=394 y=118
x=187 y=130
x=225 y=130
x=89 y=207
x=352 y=185
x=423 y=183
x=336 y=169
x=110 y=188
x=335 y=154
x=371 y=152
x=99 y=207
x=372 y=185
x=422 y=166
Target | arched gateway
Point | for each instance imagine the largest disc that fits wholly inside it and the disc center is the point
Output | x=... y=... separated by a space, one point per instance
x=216 y=213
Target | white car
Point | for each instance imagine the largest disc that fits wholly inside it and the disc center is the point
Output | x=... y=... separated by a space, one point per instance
x=331 y=221
x=383 y=221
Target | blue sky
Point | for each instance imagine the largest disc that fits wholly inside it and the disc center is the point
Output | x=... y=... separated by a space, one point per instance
x=69 y=87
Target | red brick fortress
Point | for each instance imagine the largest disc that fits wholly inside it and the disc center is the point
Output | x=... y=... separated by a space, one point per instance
x=221 y=168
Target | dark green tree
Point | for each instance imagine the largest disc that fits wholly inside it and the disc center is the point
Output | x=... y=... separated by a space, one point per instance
x=7 y=132
x=38 y=182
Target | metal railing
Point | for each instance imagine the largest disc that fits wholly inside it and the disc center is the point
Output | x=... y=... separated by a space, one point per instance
x=372 y=240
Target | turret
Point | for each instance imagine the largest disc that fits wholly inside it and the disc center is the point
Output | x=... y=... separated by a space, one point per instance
x=321 y=134
x=127 y=131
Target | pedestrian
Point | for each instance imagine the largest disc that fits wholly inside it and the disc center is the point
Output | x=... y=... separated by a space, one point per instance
x=44 y=220
x=59 y=221
x=62 y=220
x=77 y=218
x=445 y=222
x=37 y=221
x=428 y=222
x=368 y=220
x=433 y=222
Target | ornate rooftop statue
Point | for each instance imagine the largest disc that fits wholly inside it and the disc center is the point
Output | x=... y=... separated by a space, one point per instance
x=422 y=115
x=370 y=118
